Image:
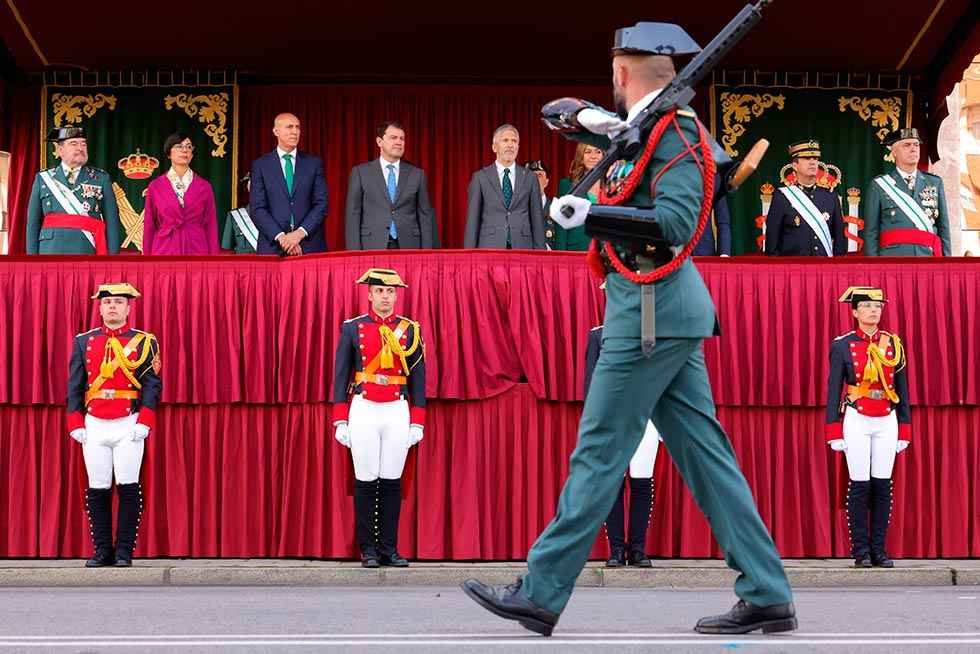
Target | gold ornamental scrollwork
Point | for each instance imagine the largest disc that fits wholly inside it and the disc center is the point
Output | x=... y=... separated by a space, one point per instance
x=883 y=113
x=209 y=109
x=69 y=109
x=738 y=109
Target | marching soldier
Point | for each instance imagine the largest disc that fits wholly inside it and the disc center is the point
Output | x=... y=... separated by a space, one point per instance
x=640 y=481
x=379 y=411
x=241 y=234
x=871 y=424
x=805 y=220
x=635 y=378
x=905 y=211
x=72 y=209
x=113 y=391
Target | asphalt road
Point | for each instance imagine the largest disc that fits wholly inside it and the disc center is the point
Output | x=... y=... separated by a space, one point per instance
x=304 y=619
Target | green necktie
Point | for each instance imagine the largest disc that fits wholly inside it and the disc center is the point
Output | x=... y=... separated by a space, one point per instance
x=507 y=188
x=288 y=172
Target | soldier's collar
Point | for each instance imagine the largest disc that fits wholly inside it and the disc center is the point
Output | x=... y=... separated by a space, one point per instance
x=115 y=332
x=870 y=338
x=385 y=321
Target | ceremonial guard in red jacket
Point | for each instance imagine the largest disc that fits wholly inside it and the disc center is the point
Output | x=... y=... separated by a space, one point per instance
x=113 y=390
x=379 y=411
x=871 y=423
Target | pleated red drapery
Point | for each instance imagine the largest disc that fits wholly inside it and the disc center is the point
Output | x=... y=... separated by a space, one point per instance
x=244 y=462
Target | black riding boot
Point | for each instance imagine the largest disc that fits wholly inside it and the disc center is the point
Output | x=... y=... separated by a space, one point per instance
x=365 y=519
x=881 y=512
x=130 y=509
x=641 y=505
x=390 y=506
x=857 y=522
x=98 y=505
x=616 y=531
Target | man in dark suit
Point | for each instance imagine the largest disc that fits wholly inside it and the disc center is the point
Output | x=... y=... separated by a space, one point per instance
x=388 y=199
x=288 y=200
x=504 y=201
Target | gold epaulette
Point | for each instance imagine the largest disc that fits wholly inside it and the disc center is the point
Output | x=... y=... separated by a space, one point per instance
x=844 y=335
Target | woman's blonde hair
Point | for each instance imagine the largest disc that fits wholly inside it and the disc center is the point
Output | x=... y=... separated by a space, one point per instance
x=577 y=170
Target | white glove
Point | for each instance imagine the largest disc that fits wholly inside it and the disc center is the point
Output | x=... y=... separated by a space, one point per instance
x=901 y=445
x=838 y=445
x=580 y=205
x=600 y=122
x=414 y=434
x=79 y=435
x=342 y=434
x=140 y=432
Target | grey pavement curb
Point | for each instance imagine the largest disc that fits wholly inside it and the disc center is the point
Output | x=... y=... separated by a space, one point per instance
x=672 y=574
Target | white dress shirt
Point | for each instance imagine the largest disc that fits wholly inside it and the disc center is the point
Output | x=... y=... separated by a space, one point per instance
x=384 y=170
x=641 y=105
x=905 y=176
x=67 y=171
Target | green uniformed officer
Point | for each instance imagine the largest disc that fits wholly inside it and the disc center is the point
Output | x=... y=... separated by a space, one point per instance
x=72 y=209
x=905 y=211
x=671 y=385
x=240 y=233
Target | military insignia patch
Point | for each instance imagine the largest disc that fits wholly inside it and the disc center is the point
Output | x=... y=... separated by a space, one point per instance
x=157 y=364
x=929 y=199
x=92 y=191
x=616 y=177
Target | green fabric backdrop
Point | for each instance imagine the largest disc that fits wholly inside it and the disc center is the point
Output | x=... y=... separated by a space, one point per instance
x=848 y=124
x=123 y=121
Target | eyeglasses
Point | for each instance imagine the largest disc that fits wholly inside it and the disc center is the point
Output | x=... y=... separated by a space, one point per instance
x=184 y=147
x=868 y=304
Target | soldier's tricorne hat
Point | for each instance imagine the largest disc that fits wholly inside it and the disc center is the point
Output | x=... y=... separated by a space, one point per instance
x=900 y=135
x=654 y=39
x=807 y=148
x=381 y=277
x=64 y=133
x=855 y=294
x=537 y=164
x=119 y=289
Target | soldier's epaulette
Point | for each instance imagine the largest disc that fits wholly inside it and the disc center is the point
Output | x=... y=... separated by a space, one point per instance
x=844 y=335
x=355 y=318
x=687 y=113
x=928 y=174
x=88 y=332
x=97 y=169
x=414 y=322
x=595 y=328
x=140 y=331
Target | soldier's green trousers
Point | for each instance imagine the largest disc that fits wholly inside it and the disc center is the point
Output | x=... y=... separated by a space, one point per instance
x=671 y=387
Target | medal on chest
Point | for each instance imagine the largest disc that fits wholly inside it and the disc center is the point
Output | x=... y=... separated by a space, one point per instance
x=615 y=182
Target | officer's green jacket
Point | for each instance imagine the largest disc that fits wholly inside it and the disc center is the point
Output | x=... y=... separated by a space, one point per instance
x=880 y=214
x=93 y=188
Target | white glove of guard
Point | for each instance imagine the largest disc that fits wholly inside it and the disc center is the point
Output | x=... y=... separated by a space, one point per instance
x=838 y=445
x=580 y=205
x=900 y=446
x=414 y=434
x=600 y=122
x=342 y=434
x=79 y=435
x=140 y=432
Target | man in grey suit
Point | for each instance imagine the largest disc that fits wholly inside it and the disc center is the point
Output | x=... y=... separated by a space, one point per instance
x=504 y=201
x=388 y=200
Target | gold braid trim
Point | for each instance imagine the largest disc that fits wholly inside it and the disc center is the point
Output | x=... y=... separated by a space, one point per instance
x=391 y=347
x=874 y=370
x=113 y=346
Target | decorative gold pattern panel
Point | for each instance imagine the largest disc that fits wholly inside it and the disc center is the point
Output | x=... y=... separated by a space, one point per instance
x=212 y=110
x=883 y=113
x=738 y=109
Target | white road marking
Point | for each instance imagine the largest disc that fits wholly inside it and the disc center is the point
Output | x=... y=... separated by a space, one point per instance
x=783 y=642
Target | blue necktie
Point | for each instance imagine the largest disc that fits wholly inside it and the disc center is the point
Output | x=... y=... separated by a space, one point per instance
x=392 y=230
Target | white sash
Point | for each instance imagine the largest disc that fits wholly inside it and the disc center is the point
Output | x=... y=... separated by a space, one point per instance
x=811 y=214
x=69 y=201
x=246 y=227
x=903 y=201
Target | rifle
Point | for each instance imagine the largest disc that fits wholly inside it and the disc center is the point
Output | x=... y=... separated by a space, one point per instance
x=680 y=91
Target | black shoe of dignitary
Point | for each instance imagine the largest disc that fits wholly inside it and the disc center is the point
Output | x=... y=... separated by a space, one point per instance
x=745 y=617
x=99 y=505
x=510 y=603
x=130 y=509
x=617 y=558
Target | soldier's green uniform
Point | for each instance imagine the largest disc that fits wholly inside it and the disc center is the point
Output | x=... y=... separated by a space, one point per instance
x=892 y=226
x=92 y=188
x=240 y=232
x=672 y=387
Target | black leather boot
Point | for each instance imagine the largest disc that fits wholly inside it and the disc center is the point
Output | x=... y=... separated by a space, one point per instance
x=98 y=505
x=881 y=513
x=365 y=517
x=616 y=532
x=390 y=507
x=130 y=509
x=641 y=505
x=857 y=522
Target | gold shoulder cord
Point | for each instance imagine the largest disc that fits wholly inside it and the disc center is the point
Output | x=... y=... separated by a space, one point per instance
x=874 y=370
x=390 y=347
x=125 y=364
